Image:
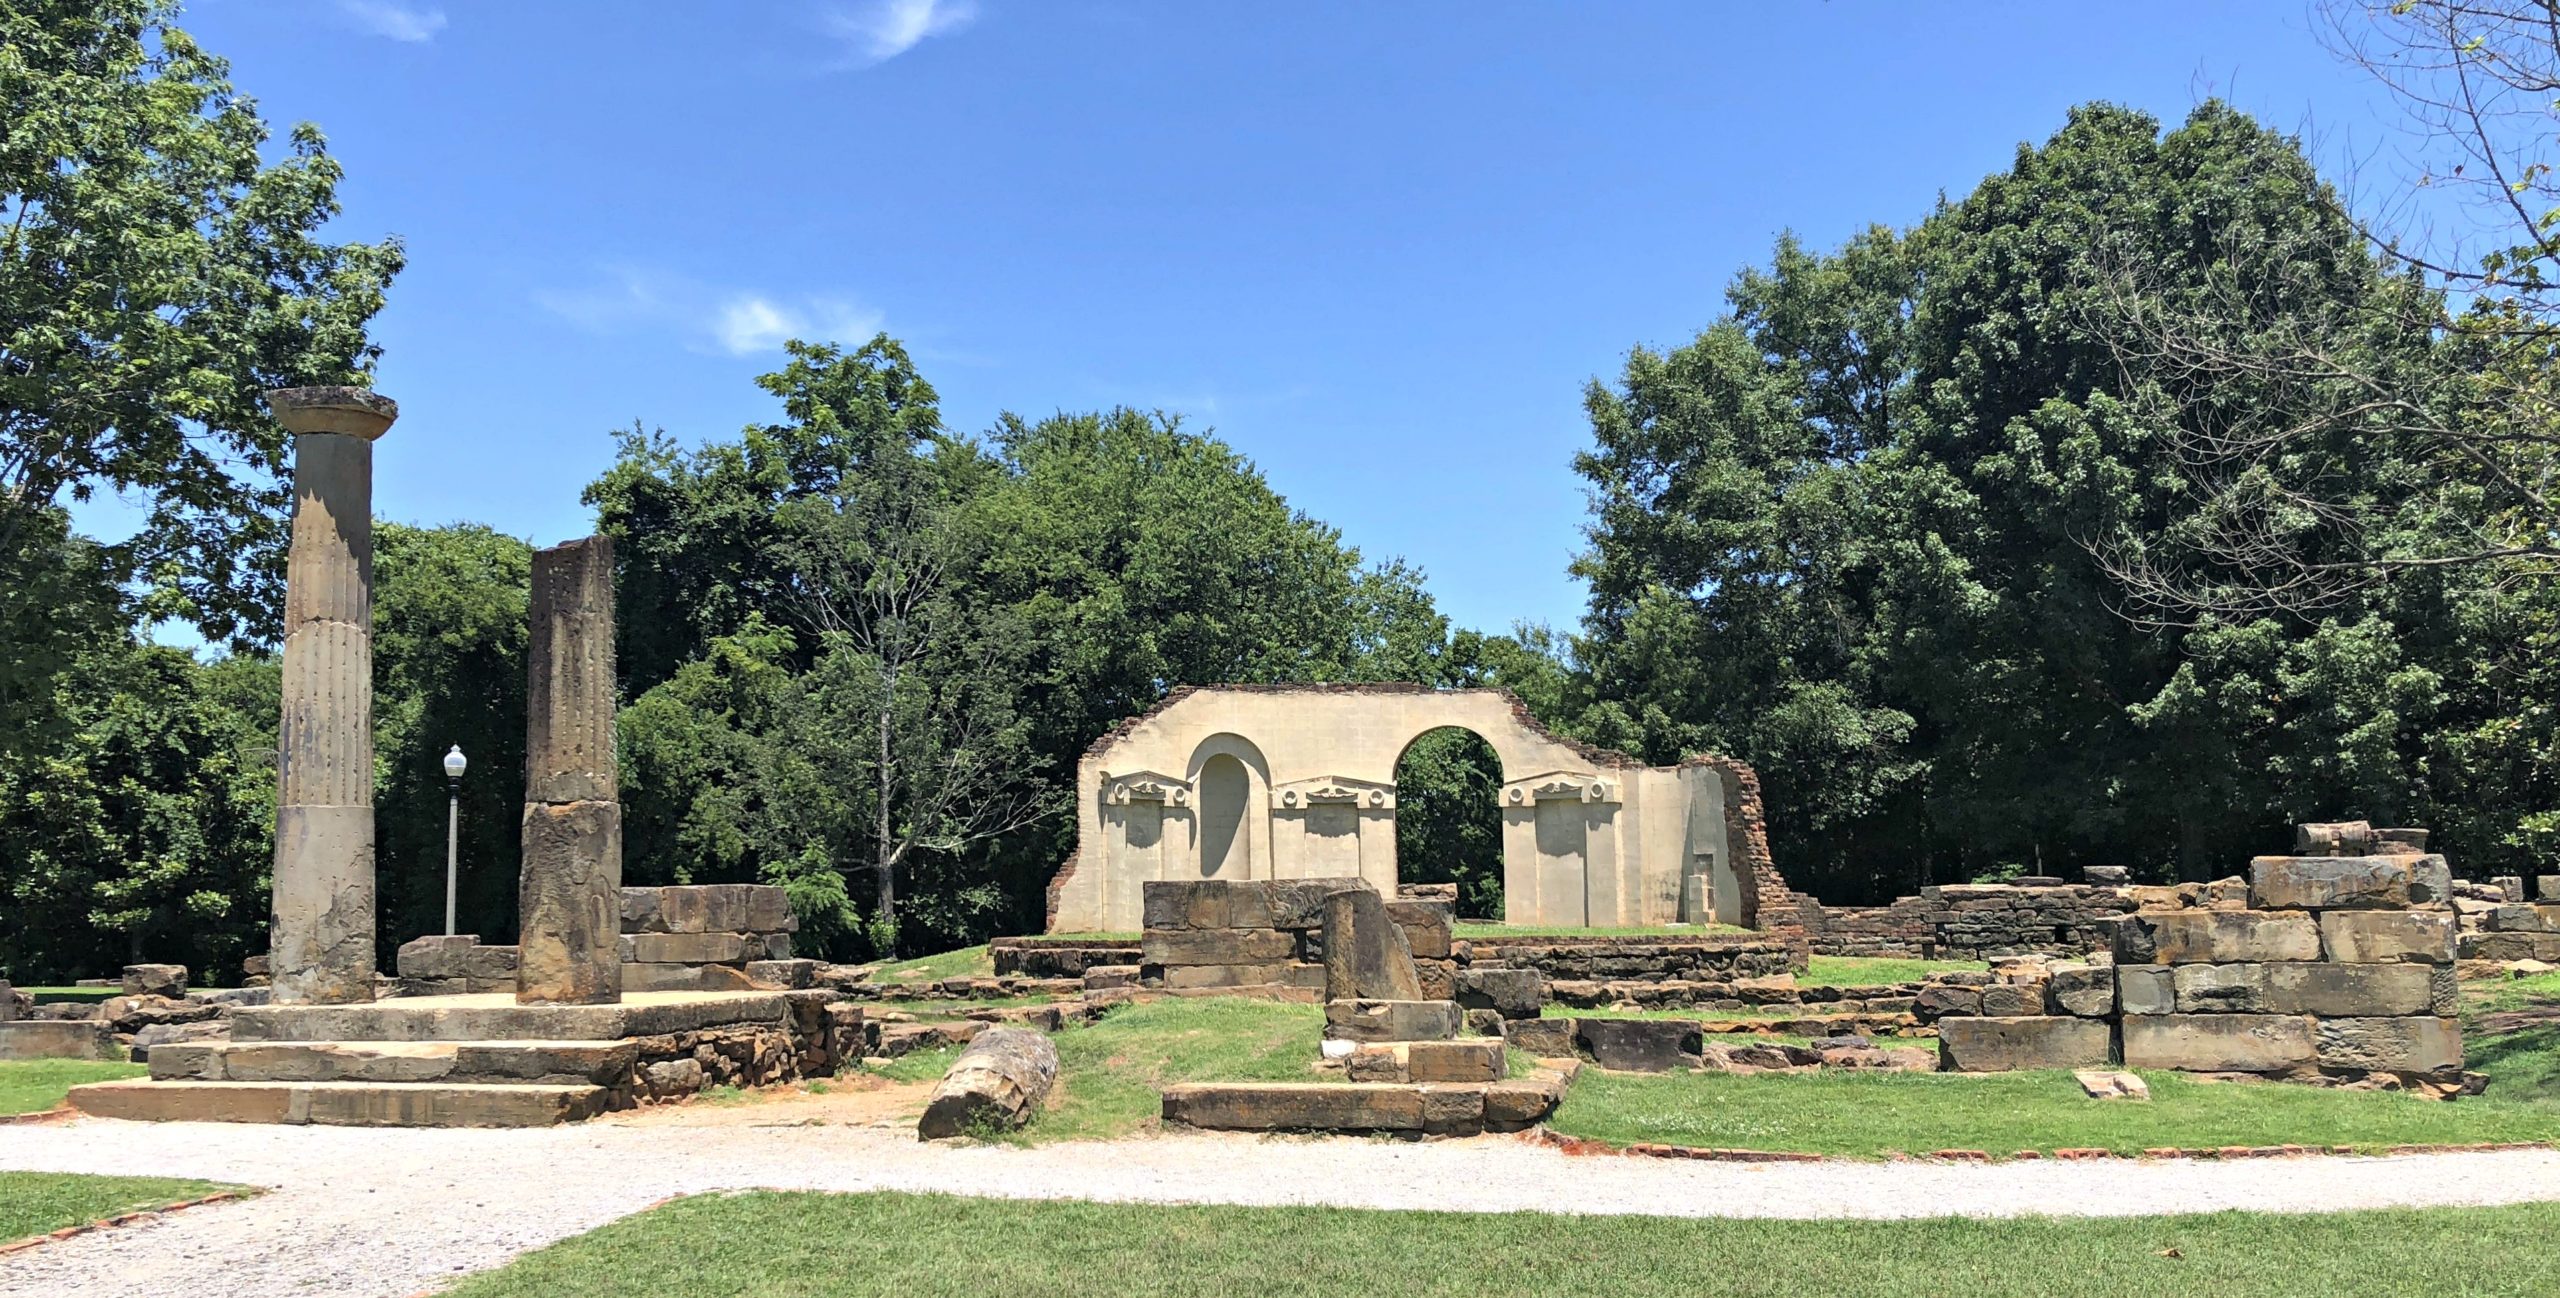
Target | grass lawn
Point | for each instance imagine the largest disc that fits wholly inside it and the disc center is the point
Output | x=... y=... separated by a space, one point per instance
x=33 y=1203
x=1535 y=931
x=1111 y=1074
x=35 y=1085
x=71 y=995
x=967 y=962
x=2498 y=994
x=936 y=1246
x=1873 y=971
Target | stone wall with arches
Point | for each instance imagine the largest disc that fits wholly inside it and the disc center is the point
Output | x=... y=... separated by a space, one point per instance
x=1298 y=781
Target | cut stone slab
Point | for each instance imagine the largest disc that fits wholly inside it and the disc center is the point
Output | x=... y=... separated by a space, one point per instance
x=1426 y=926
x=1472 y=1059
x=2221 y=988
x=2330 y=882
x=562 y=1063
x=496 y=1017
x=168 y=980
x=2000 y=1045
x=1219 y=946
x=1452 y=1110
x=2361 y=990
x=2391 y=1045
x=58 y=1039
x=2220 y=1043
x=1376 y=1020
x=1640 y=1045
x=1542 y=1038
x=690 y=948
x=1295 y=1106
x=2088 y=991
x=2215 y=937
x=2099 y=1084
x=1365 y=953
x=2375 y=937
x=1513 y=993
x=998 y=1083
x=341 y=1104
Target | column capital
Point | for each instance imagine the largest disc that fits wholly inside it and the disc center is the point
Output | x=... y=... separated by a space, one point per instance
x=355 y=412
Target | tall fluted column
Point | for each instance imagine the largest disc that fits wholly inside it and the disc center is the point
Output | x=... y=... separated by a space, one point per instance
x=569 y=895
x=321 y=942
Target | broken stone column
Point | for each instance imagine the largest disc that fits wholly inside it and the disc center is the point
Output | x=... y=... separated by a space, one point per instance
x=1366 y=956
x=569 y=895
x=321 y=937
x=997 y=1083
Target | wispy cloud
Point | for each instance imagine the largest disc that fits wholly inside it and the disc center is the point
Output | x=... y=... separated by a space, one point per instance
x=395 y=19
x=739 y=323
x=881 y=30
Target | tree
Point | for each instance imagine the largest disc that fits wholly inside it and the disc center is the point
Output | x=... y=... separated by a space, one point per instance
x=156 y=274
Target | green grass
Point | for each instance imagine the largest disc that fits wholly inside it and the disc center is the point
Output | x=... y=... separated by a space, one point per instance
x=71 y=995
x=1870 y=971
x=808 y=1245
x=950 y=1008
x=967 y=962
x=35 y=1085
x=2512 y=993
x=33 y=1203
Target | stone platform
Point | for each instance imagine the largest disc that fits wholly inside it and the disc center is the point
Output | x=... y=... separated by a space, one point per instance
x=481 y=1060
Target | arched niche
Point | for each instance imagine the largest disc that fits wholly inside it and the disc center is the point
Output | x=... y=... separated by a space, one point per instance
x=1448 y=783
x=1232 y=790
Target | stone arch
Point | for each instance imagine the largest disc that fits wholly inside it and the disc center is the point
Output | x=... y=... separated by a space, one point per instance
x=1233 y=807
x=1450 y=831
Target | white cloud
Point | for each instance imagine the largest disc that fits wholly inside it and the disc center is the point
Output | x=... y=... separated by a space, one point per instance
x=709 y=319
x=395 y=19
x=880 y=30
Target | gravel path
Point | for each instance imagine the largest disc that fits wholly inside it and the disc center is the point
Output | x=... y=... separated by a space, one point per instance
x=388 y=1212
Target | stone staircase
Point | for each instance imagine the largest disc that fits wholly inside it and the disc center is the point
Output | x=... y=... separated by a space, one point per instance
x=444 y=1061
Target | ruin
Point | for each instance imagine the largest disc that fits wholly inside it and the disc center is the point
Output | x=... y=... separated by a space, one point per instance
x=569 y=889
x=321 y=940
x=1250 y=783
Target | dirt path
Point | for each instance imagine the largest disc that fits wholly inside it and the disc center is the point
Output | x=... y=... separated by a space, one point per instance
x=373 y=1212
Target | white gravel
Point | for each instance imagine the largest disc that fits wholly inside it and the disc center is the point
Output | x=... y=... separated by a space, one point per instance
x=388 y=1212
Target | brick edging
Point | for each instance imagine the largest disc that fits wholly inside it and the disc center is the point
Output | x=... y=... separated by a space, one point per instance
x=120 y=1219
x=1578 y=1146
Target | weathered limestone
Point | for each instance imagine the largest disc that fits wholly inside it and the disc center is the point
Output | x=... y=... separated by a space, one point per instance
x=168 y=980
x=2331 y=882
x=2349 y=990
x=1297 y=781
x=1996 y=1045
x=1544 y=1038
x=1512 y=993
x=2391 y=1045
x=1365 y=953
x=997 y=1083
x=2215 y=937
x=569 y=896
x=322 y=932
x=2370 y=937
x=1355 y=1020
x=2220 y=1043
x=58 y=1039
x=1640 y=1045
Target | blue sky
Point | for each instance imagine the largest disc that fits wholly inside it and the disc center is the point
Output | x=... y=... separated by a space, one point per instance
x=1379 y=248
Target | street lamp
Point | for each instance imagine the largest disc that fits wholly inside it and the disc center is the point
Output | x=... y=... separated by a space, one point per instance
x=454 y=762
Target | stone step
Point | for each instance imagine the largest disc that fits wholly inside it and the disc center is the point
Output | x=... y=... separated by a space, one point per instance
x=497 y=1017
x=506 y=1063
x=342 y=1104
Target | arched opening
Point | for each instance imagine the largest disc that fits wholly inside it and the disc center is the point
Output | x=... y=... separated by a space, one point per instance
x=1226 y=790
x=1449 y=817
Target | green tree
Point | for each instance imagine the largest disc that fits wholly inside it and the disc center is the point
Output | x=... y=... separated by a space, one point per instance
x=156 y=274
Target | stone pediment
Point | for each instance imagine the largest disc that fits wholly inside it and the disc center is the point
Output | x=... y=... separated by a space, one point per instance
x=1145 y=786
x=1369 y=795
x=1559 y=786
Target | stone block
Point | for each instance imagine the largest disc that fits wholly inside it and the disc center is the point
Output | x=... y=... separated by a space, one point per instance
x=1385 y=1020
x=2087 y=991
x=2220 y=988
x=2012 y=1000
x=1484 y=1023
x=2546 y=887
x=1384 y=1063
x=1294 y=1106
x=690 y=948
x=2330 y=882
x=1468 y=1059
x=793 y=974
x=2368 y=990
x=168 y=980
x=569 y=903
x=2106 y=876
x=2404 y=842
x=2391 y=1045
x=2101 y=1084
x=1541 y=1038
x=2380 y=937
x=1518 y=1104
x=2219 y=1043
x=640 y=911
x=2334 y=838
x=685 y=978
x=1365 y=954
x=997 y=1083
x=1514 y=993
x=1939 y=1000
x=1437 y=979
x=2430 y=881
x=57 y=1039
x=2007 y=1044
x=1425 y=925
x=1192 y=977
x=1218 y=946
x=2215 y=937
x=725 y=908
x=1640 y=1045
x=1452 y=1110
x=2510 y=887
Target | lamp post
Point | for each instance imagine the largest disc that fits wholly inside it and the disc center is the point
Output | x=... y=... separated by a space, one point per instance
x=454 y=762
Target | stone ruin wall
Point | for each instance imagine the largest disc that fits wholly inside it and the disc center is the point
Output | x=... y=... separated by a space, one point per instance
x=1981 y=921
x=697 y=937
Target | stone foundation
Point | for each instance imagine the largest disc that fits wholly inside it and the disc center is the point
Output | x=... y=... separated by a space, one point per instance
x=1972 y=922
